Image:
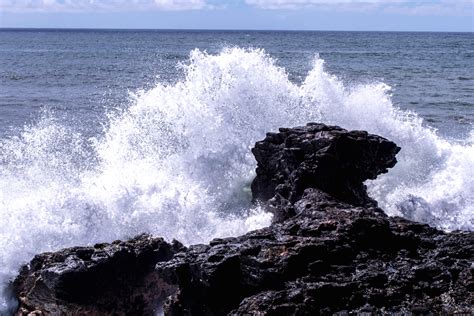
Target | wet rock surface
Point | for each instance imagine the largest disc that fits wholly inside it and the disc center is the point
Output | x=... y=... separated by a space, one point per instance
x=329 y=250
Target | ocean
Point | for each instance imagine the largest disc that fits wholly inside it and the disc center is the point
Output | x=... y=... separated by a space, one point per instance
x=105 y=134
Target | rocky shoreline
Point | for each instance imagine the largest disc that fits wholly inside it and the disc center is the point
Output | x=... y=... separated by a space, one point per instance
x=330 y=249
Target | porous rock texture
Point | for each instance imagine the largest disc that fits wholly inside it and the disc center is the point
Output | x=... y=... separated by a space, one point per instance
x=106 y=279
x=329 y=250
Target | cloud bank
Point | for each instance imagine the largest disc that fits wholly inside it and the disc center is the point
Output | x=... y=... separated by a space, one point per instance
x=406 y=7
x=410 y=7
x=99 y=5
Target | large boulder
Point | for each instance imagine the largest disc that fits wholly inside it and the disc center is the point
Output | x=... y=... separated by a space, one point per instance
x=329 y=158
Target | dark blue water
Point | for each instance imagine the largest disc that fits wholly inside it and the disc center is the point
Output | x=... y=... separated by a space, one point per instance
x=78 y=73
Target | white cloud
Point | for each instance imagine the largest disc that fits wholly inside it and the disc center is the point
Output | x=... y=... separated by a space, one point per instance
x=406 y=7
x=412 y=7
x=443 y=7
x=99 y=5
x=297 y=4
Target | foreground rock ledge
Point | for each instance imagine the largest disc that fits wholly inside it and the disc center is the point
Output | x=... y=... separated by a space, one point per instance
x=329 y=250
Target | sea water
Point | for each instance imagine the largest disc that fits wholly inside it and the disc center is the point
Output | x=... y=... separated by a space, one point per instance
x=107 y=134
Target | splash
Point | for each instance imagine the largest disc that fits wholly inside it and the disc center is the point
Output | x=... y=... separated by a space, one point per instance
x=177 y=161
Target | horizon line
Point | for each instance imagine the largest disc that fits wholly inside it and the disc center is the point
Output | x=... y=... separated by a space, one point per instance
x=217 y=29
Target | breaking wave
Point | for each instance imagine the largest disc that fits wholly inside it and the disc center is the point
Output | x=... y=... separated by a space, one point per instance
x=177 y=162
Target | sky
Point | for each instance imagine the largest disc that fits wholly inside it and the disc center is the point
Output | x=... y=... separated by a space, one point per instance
x=350 y=15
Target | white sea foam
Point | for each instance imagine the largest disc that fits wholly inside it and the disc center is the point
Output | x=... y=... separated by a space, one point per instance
x=177 y=162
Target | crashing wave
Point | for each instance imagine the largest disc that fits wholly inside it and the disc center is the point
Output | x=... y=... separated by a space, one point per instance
x=177 y=163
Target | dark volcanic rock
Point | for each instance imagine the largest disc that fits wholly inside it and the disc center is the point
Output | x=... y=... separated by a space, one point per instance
x=332 y=257
x=112 y=279
x=331 y=250
x=318 y=156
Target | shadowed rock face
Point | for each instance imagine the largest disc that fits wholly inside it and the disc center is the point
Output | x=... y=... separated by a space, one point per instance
x=329 y=250
x=107 y=279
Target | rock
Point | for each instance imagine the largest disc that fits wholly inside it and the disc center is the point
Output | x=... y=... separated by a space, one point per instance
x=113 y=279
x=332 y=257
x=330 y=249
x=318 y=156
